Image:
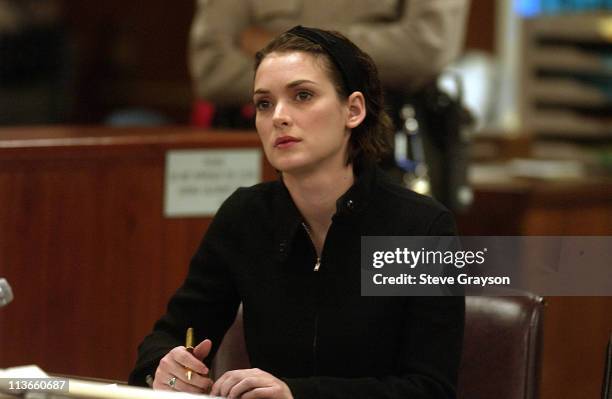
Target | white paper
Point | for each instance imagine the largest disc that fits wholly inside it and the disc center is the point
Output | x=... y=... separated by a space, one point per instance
x=92 y=390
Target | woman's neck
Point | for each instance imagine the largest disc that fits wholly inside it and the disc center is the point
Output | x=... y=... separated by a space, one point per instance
x=315 y=195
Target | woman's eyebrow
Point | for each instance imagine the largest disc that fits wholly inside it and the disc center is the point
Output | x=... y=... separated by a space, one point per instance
x=299 y=82
x=289 y=85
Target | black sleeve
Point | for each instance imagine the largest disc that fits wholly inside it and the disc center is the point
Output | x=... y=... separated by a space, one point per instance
x=430 y=356
x=207 y=300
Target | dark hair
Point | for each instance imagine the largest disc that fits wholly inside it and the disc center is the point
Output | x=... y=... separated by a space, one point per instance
x=371 y=139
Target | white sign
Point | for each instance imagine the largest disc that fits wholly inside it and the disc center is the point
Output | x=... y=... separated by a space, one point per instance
x=198 y=181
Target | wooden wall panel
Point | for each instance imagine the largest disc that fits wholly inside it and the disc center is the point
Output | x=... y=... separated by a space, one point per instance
x=576 y=333
x=480 y=32
x=576 y=329
x=84 y=244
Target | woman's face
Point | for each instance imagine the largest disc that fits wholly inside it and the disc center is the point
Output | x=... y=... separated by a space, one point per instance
x=302 y=124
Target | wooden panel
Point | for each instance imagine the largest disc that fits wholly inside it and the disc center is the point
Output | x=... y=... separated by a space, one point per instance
x=480 y=32
x=576 y=333
x=124 y=51
x=593 y=219
x=576 y=329
x=491 y=210
x=84 y=244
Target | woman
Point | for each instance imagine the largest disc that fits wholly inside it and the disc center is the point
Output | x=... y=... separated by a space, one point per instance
x=289 y=251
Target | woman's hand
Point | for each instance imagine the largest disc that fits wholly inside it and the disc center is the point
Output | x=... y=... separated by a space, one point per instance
x=250 y=384
x=171 y=374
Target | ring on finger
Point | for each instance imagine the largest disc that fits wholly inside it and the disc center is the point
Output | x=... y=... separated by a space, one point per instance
x=172 y=382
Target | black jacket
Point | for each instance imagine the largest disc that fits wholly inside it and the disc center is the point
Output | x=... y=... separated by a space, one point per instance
x=312 y=328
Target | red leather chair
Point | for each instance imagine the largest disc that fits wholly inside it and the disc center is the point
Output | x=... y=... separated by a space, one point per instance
x=501 y=351
x=501 y=348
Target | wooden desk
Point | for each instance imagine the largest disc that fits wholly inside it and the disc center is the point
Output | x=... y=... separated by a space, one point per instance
x=84 y=243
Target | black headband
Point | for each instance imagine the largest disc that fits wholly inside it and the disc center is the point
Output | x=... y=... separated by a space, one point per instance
x=341 y=53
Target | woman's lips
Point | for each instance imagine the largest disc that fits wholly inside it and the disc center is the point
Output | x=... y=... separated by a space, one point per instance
x=285 y=141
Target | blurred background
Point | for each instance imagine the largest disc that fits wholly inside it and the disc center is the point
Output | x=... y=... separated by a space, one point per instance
x=536 y=75
x=536 y=78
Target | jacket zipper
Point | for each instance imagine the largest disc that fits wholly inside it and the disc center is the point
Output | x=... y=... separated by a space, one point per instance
x=314 y=344
x=316 y=318
x=318 y=262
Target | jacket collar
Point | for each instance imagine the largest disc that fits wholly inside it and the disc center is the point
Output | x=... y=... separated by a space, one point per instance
x=349 y=206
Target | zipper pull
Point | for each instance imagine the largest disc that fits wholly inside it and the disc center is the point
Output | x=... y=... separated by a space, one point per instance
x=317 y=265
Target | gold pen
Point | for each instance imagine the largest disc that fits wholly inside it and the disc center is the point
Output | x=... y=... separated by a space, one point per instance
x=189 y=347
